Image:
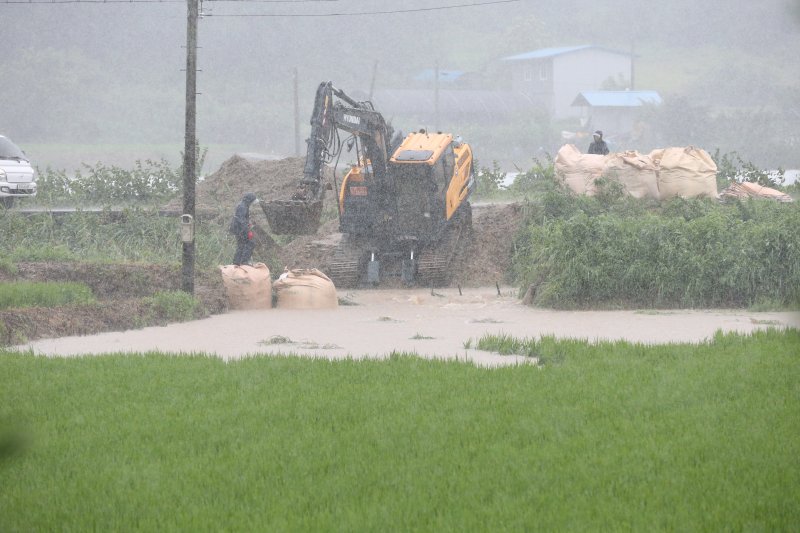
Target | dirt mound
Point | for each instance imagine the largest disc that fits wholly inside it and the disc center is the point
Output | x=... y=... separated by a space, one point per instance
x=268 y=179
x=487 y=260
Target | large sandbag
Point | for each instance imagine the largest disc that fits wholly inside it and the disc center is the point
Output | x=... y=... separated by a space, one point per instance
x=247 y=287
x=578 y=170
x=305 y=289
x=687 y=172
x=635 y=171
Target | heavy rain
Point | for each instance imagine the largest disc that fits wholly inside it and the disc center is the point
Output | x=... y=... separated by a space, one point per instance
x=347 y=205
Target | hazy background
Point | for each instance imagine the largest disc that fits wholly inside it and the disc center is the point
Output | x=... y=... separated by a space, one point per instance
x=103 y=82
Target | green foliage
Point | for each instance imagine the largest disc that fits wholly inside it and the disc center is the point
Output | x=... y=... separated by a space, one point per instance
x=173 y=306
x=587 y=252
x=43 y=294
x=616 y=436
x=489 y=180
x=540 y=177
x=148 y=182
x=766 y=136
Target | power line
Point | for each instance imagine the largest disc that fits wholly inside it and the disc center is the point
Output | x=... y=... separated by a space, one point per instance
x=155 y=1
x=45 y=2
x=387 y=12
x=275 y=15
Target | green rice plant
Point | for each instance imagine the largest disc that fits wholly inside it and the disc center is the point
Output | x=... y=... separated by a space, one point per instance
x=505 y=344
x=680 y=437
x=43 y=294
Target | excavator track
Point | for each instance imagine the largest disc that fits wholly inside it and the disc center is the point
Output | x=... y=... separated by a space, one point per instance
x=345 y=269
x=433 y=265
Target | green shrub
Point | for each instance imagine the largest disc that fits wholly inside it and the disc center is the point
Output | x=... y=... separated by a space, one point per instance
x=541 y=176
x=101 y=184
x=43 y=294
x=489 y=180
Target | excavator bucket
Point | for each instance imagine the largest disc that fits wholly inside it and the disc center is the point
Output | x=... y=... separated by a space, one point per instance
x=293 y=217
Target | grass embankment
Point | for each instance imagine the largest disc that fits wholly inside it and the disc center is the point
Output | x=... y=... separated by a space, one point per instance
x=603 y=437
x=43 y=294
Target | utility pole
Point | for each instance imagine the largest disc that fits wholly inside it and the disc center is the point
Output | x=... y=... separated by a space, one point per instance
x=372 y=83
x=189 y=155
x=296 y=115
x=436 y=96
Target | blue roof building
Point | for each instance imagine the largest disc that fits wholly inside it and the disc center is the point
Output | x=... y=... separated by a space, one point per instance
x=553 y=77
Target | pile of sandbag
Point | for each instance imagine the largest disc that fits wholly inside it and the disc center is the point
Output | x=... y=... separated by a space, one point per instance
x=664 y=173
x=250 y=287
x=247 y=286
x=305 y=289
x=753 y=190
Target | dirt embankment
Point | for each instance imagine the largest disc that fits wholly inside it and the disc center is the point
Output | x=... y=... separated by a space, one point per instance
x=120 y=290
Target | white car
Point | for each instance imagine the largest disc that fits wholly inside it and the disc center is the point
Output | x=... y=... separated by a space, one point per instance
x=17 y=177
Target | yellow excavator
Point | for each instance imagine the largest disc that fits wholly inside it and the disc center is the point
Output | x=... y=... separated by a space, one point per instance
x=403 y=206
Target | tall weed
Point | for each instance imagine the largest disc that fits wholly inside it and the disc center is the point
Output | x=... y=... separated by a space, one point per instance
x=584 y=252
x=134 y=235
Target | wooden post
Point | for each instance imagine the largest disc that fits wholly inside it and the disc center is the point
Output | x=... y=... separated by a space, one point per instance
x=189 y=152
x=372 y=82
x=436 y=96
x=296 y=115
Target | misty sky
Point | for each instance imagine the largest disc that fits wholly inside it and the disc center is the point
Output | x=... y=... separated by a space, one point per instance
x=110 y=74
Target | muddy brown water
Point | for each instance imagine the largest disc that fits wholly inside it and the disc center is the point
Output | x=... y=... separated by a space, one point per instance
x=435 y=325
